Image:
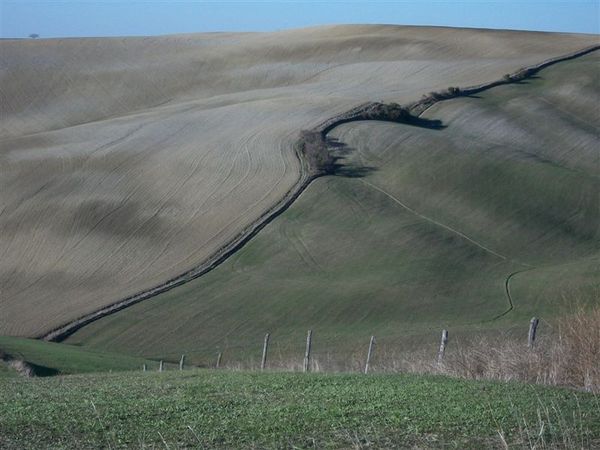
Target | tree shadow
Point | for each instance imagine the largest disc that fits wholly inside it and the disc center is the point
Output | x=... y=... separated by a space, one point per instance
x=421 y=122
x=43 y=371
x=526 y=81
x=339 y=152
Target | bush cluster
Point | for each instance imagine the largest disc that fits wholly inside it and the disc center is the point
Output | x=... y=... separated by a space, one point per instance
x=313 y=146
x=433 y=96
x=519 y=75
x=386 y=111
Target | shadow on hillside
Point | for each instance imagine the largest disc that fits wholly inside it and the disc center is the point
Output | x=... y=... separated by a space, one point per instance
x=528 y=80
x=26 y=368
x=43 y=371
x=421 y=122
x=340 y=151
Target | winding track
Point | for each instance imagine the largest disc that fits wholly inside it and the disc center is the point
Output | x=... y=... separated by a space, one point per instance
x=435 y=222
x=416 y=108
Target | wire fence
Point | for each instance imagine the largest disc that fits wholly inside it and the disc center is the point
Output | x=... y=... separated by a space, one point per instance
x=315 y=353
x=566 y=355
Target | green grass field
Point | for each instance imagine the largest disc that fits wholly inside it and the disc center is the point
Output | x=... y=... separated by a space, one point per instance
x=53 y=359
x=250 y=410
x=419 y=232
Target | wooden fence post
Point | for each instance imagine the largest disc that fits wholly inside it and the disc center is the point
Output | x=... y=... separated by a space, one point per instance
x=218 y=360
x=144 y=367
x=160 y=366
x=263 y=361
x=533 y=324
x=369 y=354
x=443 y=344
x=306 y=367
x=181 y=362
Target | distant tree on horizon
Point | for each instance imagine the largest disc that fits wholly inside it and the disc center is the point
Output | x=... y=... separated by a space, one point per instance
x=34 y=35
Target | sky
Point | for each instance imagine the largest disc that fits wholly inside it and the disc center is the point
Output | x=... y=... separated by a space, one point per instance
x=56 y=18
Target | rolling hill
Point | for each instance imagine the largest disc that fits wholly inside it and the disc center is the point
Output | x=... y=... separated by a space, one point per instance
x=125 y=162
x=49 y=358
x=474 y=226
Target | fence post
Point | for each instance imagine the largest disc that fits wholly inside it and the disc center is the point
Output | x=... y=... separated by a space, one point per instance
x=144 y=367
x=218 y=360
x=181 y=362
x=369 y=354
x=263 y=361
x=306 y=367
x=443 y=344
x=160 y=366
x=533 y=324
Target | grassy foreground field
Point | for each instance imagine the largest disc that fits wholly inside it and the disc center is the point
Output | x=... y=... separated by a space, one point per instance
x=420 y=231
x=251 y=410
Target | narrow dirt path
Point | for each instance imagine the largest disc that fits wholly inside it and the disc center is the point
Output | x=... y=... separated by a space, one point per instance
x=305 y=178
x=435 y=222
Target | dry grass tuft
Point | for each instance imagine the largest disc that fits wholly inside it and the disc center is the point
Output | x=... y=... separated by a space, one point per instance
x=580 y=345
x=569 y=358
x=552 y=428
x=21 y=367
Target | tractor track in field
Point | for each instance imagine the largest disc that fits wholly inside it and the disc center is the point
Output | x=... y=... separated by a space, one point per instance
x=306 y=177
x=435 y=222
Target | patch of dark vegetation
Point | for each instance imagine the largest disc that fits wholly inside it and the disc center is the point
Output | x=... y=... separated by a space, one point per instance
x=312 y=145
x=436 y=96
x=391 y=112
x=442 y=95
x=386 y=112
x=519 y=75
x=325 y=156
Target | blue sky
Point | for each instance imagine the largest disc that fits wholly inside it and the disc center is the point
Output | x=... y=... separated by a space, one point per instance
x=55 y=18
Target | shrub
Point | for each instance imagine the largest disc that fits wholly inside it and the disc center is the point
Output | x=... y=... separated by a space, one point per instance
x=313 y=147
x=386 y=111
x=521 y=74
x=435 y=95
x=570 y=358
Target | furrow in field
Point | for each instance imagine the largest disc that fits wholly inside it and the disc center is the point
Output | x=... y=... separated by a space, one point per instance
x=227 y=88
x=304 y=180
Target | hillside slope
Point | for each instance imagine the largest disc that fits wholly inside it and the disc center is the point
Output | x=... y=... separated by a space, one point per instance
x=49 y=358
x=127 y=161
x=420 y=230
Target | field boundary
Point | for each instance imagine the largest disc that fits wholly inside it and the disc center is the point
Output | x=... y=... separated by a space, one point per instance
x=62 y=332
x=365 y=111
